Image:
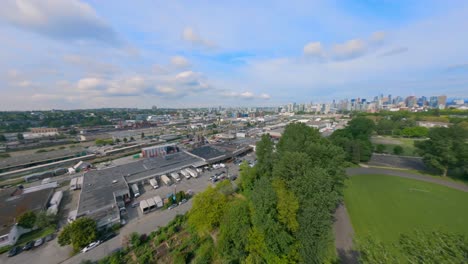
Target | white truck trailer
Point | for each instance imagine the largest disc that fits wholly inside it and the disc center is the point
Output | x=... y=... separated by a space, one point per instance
x=154 y=183
x=192 y=172
x=175 y=176
x=185 y=173
x=166 y=180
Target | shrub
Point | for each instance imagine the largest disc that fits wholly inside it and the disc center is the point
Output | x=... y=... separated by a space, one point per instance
x=380 y=148
x=397 y=150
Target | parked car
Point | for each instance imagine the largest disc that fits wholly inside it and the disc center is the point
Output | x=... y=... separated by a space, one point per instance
x=39 y=242
x=14 y=251
x=91 y=246
x=183 y=201
x=28 y=245
x=49 y=237
x=172 y=206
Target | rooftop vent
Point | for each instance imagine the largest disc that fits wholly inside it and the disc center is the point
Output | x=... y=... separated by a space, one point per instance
x=114 y=181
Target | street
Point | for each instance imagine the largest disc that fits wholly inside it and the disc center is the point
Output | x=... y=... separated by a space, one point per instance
x=51 y=252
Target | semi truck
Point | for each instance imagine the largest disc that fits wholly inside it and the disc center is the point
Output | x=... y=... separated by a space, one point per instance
x=166 y=180
x=175 y=176
x=185 y=173
x=192 y=172
x=136 y=191
x=154 y=183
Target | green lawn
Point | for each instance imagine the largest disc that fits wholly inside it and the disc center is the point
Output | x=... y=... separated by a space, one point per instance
x=33 y=235
x=386 y=206
x=390 y=142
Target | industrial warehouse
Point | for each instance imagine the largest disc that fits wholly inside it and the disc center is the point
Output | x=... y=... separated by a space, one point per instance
x=106 y=192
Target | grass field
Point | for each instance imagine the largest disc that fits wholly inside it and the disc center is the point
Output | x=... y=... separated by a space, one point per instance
x=386 y=206
x=390 y=142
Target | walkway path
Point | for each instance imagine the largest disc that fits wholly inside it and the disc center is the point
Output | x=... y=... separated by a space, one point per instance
x=342 y=227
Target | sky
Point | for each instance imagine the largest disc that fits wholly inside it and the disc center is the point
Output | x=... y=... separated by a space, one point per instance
x=75 y=54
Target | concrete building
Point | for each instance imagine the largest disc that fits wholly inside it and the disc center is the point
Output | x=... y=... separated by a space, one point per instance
x=103 y=196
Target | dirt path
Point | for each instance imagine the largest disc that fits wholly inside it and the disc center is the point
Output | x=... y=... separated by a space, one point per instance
x=342 y=228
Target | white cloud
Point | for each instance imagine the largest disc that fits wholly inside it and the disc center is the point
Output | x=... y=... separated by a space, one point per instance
x=378 y=37
x=194 y=38
x=313 y=49
x=180 y=62
x=91 y=83
x=247 y=95
x=166 y=90
x=348 y=50
x=65 y=20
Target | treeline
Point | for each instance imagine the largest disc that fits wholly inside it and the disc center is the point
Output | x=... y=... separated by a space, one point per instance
x=355 y=139
x=283 y=211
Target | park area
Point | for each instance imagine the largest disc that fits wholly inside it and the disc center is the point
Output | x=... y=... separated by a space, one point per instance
x=389 y=143
x=385 y=206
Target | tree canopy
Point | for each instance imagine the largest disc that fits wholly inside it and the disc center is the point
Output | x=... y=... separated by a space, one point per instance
x=446 y=149
x=79 y=233
x=27 y=220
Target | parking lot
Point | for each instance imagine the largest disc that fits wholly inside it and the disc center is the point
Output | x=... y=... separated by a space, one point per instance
x=51 y=252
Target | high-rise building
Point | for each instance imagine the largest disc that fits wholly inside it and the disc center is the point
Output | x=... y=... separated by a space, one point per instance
x=433 y=102
x=441 y=101
x=411 y=101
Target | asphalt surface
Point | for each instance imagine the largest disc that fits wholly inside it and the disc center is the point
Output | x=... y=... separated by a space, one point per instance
x=51 y=252
x=342 y=226
x=402 y=162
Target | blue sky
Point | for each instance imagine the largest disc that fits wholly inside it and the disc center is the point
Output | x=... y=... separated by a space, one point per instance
x=86 y=54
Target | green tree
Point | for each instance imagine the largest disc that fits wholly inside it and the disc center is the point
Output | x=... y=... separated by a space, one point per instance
x=2 y=138
x=233 y=232
x=207 y=210
x=287 y=205
x=264 y=151
x=44 y=220
x=361 y=127
x=398 y=150
x=445 y=149
x=125 y=140
x=117 y=140
x=27 y=220
x=142 y=135
x=20 y=136
x=79 y=233
x=380 y=148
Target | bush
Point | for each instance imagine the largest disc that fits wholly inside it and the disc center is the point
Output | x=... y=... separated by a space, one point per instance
x=115 y=227
x=380 y=148
x=397 y=150
x=4 y=155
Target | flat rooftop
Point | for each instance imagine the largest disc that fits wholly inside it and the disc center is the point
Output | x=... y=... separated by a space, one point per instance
x=11 y=207
x=222 y=151
x=209 y=152
x=146 y=168
x=98 y=189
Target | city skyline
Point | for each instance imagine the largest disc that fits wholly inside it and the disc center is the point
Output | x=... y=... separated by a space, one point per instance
x=88 y=54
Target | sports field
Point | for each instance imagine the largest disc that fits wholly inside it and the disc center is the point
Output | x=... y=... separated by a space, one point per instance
x=386 y=206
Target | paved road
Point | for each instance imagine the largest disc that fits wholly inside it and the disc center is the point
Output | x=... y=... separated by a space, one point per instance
x=342 y=227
